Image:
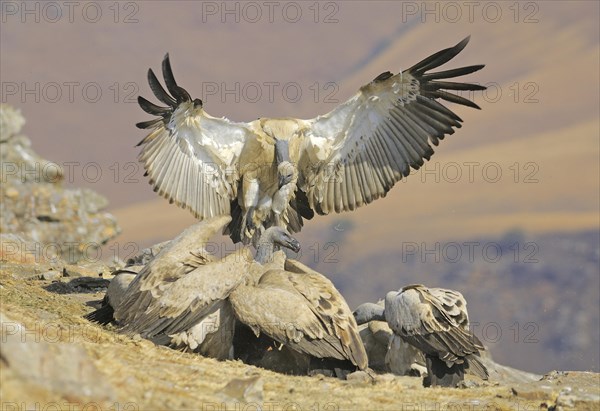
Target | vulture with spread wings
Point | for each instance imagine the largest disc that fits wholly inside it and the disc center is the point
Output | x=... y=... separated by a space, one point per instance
x=278 y=171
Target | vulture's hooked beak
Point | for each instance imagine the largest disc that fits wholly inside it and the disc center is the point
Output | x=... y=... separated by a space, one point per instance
x=283 y=180
x=293 y=245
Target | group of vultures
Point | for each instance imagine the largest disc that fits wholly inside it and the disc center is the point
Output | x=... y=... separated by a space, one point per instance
x=258 y=182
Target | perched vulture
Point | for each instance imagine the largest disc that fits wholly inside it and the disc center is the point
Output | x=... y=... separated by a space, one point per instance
x=436 y=322
x=301 y=309
x=278 y=171
x=180 y=298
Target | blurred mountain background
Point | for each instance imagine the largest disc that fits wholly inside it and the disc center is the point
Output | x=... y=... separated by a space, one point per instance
x=507 y=210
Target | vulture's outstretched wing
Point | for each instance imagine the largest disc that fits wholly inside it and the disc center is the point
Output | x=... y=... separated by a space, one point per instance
x=190 y=156
x=357 y=152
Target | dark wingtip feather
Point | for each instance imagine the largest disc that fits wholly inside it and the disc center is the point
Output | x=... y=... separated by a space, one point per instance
x=453 y=98
x=159 y=91
x=439 y=58
x=179 y=93
x=451 y=85
x=452 y=73
x=146 y=125
x=152 y=108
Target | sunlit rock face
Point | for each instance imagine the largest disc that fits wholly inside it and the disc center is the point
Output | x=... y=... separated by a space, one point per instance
x=36 y=205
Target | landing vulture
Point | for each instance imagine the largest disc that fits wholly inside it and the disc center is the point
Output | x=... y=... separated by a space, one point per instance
x=278 y=171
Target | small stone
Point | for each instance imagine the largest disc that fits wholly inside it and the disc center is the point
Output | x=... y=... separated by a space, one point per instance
x=249 y=390
x=385 y=378
x=531 y=394
x=467 y=384
x=359 y=377
x=11 y=192
x=50 y=275
x=11 y=121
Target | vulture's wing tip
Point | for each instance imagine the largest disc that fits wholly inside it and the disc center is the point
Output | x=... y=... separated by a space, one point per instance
x=463 y=43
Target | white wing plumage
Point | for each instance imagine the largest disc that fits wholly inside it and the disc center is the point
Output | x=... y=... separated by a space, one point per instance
x=190 y=156
x=357 y=152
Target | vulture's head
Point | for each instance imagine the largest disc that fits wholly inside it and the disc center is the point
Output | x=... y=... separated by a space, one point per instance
x=279 y=237
x=286 y=173
x=369 y=312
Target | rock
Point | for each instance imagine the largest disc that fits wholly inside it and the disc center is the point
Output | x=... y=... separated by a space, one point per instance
x=50 y=275
x=360 y=377
x=375 y=347
x=79 y=285
x=86 y=270
x=248 y=390
x=507 y=375
x=57 y=220
x=39 y=359
x=11 y=122
x=385 y=378
x=404 y=359
x=575 y=399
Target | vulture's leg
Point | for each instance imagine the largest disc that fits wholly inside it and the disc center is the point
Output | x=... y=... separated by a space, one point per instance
x=251 y=194
x=277 y=219
x=250 y=226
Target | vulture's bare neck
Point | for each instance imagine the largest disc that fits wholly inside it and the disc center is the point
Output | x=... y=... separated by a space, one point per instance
x=265 y=250
x=282 y=151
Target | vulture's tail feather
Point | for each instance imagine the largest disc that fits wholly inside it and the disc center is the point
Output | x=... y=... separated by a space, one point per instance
x=301 y=205
x=234 y=228
x=103 y=315
x=477 y=367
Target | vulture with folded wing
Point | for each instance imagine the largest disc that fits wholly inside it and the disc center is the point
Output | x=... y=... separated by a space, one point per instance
x=180 y=297
x=187 y=299
x=278 y=171
x=435 y=321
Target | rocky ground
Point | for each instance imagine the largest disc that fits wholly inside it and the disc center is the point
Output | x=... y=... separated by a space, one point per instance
x=52 y=358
